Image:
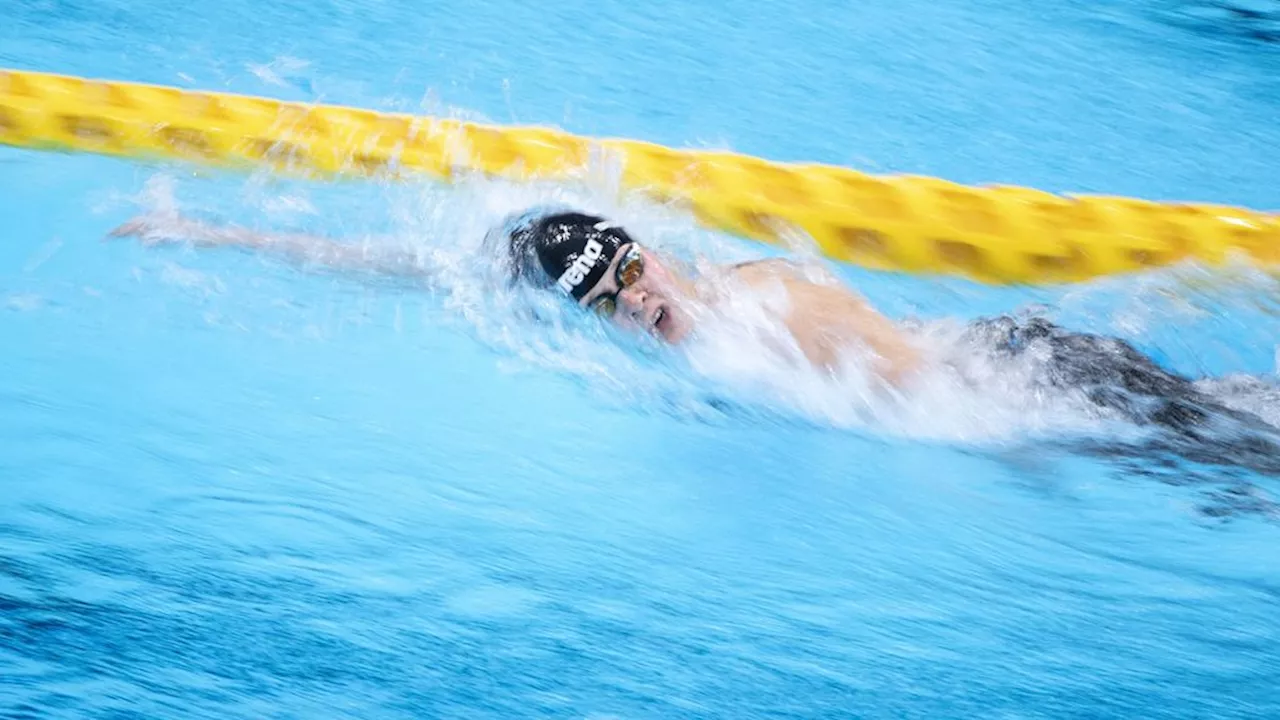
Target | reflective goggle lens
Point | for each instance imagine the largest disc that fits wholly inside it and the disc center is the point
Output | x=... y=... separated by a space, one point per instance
x=629 y=272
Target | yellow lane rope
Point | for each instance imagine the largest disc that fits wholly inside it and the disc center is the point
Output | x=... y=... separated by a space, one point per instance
x=995 y=234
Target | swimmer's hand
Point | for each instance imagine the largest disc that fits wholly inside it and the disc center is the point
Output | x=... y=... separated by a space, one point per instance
x=379 y=258
x=159 y=229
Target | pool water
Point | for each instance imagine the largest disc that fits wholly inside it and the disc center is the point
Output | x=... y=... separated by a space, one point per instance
x=231 y=487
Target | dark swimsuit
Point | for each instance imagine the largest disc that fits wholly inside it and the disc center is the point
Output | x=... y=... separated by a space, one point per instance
x=1116 y=376
x=1111 y=372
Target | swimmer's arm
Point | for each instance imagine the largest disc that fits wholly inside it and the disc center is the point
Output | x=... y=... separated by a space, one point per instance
x=840 y=317
x=298 y=248
x=825 y=319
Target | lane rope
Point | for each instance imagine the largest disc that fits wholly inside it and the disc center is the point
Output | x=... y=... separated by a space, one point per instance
x=906 y=223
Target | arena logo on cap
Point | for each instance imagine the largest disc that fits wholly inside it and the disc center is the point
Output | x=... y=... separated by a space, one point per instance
x=581 y=266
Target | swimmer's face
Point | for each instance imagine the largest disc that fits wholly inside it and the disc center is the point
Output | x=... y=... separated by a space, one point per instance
x=638 y=292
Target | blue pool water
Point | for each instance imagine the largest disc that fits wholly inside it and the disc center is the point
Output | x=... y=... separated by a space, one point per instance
x=230 y=488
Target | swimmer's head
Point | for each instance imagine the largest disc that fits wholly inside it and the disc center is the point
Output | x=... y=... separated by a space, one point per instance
x=600 y=267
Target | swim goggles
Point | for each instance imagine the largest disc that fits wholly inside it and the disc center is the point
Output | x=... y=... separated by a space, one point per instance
x=630 y=270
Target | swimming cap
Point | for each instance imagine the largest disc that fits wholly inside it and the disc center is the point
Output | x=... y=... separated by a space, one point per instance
x=572 y=249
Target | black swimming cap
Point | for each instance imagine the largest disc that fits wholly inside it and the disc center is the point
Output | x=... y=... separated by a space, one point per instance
x=572 y=250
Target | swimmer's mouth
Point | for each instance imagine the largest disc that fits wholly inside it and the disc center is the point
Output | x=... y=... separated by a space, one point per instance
x=658 y=317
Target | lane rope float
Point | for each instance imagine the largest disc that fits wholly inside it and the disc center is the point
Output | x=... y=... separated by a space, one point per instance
x=913 y=224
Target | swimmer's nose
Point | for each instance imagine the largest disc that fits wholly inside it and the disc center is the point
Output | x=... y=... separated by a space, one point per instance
x=632 y=300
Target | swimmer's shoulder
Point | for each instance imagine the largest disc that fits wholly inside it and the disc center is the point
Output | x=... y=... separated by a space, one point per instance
x=795 y=277
x=754 y=272
x=815 y=292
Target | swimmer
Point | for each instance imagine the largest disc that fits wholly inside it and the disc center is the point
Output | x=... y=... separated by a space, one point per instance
x=597 y=265
x=601 y=268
